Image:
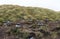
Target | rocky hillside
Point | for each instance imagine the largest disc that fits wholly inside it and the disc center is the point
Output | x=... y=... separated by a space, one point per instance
x=19 y=22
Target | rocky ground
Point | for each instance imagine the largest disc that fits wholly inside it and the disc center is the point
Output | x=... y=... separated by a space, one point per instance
x=37 y=29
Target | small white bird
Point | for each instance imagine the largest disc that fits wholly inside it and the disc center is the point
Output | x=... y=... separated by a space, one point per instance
x=32 y=38
x=18 y=25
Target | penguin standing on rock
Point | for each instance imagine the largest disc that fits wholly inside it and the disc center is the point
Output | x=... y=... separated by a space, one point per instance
x=31 y=36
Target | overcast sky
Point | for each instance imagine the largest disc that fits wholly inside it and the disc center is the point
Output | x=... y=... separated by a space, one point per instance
x=51 y=4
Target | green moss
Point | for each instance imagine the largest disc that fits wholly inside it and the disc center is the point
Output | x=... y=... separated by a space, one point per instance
x=15 y=12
